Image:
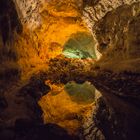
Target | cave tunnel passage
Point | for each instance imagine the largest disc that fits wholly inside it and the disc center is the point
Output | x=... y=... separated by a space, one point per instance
x=80 y=45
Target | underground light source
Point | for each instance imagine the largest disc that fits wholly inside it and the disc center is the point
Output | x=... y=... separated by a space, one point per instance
x=80 y=45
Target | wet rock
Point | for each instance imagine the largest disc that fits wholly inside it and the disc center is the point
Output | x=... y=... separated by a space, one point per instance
x=102 y=118
x=31 y=93
x=36 y=88
x=117 y=118
x=33 y=106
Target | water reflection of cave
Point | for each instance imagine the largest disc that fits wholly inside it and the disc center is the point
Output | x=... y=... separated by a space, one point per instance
x=81 y=93
x=80 y=46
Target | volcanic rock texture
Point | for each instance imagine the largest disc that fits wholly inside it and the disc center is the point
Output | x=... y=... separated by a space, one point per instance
x=32 y=36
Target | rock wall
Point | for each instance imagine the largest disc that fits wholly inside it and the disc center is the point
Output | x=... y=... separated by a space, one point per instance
x=116 y=74
x=9 y=24
x=28 y=12
x=118 y=37
x=96 y=10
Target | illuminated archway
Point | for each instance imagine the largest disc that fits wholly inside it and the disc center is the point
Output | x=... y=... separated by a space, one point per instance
x=80 y=45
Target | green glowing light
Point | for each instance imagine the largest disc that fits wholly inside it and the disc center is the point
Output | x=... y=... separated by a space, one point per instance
x=80 y=45
x=81 y=93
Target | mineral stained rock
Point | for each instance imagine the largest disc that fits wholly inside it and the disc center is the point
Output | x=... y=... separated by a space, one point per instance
x=116 y=74
x=47 y=25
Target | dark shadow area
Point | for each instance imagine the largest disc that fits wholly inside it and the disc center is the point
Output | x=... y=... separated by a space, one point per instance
x=90 y=2
x=9 y=69
x=29 y=131
x=31 y=126
x=9 y=21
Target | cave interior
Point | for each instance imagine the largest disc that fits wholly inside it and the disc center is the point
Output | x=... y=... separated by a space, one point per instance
x=69 y=70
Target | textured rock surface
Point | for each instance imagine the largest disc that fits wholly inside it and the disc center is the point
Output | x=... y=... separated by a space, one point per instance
x=119 y=42
x=30 y=12
x=96 y=9
x=22 y=101
x=45 y=42
x=32 y=49
x=9 y=21
x=116 y=74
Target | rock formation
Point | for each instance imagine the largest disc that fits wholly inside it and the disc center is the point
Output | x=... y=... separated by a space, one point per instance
x=115 y=74
x=33 y=35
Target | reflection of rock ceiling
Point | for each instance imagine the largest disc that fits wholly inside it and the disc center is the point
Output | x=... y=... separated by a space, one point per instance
x=81 y=93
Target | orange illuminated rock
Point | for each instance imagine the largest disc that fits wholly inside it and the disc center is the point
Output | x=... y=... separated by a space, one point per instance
x=61 y=110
